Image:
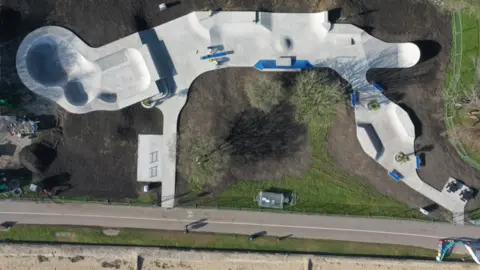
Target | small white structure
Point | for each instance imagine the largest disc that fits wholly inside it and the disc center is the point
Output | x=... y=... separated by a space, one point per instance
x=162 y=6
x=424 y=212
x=284 y=61
x=150 y=155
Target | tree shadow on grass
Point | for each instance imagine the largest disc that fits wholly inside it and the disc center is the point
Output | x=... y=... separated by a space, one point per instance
x=260 y=141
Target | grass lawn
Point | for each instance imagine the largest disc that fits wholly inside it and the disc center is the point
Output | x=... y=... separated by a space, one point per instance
x=323 y=189
x=207 y=240
x=468 y=45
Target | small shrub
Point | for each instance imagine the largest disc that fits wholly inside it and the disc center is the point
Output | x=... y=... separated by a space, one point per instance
x=314 y=96
x=373 y=105
x=402 y=157
x=266 y=92
x=202 y=160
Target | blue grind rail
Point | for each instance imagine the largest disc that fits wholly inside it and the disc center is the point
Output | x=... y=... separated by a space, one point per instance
x=378 y=87
x=354 y=98
x=210 y=56
x=419 y=161
x=395 y=176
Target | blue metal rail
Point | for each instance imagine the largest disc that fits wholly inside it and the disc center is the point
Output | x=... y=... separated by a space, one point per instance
x=215 y=55
x=395 y=175
x=354 y=98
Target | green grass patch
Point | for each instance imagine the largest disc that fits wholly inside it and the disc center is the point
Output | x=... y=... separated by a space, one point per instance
x=323 y=188
x=466 y=33
x=159 y=238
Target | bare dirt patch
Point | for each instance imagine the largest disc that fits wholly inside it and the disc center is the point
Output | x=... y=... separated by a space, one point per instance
x=98 y=151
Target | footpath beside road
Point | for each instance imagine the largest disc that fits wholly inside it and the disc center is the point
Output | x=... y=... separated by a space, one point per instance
x=412 y=233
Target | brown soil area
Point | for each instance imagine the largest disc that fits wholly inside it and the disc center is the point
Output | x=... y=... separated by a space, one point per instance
x=264 y=146
x=97 y=151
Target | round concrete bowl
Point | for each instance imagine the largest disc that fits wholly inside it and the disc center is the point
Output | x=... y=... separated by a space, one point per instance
x=44 y=64
x=75 y=93
x=52 y=67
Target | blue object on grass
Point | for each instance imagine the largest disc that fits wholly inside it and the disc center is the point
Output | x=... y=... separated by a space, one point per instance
x=272 y=64
x=418 y=161
x=395 y=175
x=379 y=88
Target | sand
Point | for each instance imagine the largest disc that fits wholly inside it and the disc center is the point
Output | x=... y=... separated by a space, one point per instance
x=73 y=257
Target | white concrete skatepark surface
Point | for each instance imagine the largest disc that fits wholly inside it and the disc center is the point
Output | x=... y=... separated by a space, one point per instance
x=150 y=158
x=161 y=64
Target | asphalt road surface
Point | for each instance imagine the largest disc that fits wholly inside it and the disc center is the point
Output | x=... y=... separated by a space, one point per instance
x=413 y=233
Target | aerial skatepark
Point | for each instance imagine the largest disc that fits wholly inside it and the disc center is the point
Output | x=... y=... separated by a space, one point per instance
x=159 y=65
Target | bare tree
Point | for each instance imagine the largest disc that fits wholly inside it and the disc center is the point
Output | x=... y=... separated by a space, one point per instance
x=266 y=92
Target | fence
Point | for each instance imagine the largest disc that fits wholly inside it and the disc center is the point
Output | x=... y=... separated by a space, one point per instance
x=452 y=89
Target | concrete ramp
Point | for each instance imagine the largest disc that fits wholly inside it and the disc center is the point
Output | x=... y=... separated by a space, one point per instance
x=387 y=55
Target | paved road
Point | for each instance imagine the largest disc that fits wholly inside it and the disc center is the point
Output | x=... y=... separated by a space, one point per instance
x=422 y=234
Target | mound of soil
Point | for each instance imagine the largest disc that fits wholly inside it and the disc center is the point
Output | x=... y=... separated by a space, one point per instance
x=37 y=157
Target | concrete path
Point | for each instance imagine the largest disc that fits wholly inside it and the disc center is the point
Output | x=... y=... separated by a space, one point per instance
x=413 y=233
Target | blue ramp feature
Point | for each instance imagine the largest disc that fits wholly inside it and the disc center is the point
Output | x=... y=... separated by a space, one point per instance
x=419 y=161
x=354 y=98
x=272 y=64
x=378 y=87
x=396 y=175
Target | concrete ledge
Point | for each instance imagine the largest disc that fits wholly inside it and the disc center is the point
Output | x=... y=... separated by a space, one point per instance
x=369 y=140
